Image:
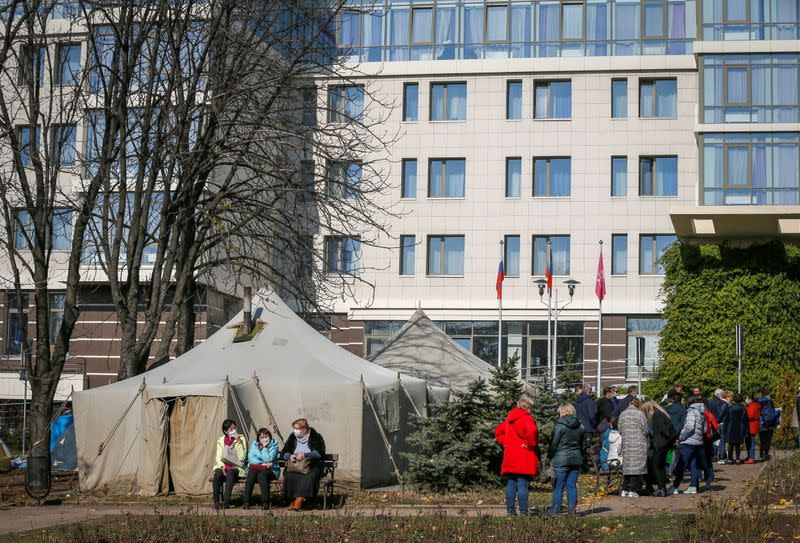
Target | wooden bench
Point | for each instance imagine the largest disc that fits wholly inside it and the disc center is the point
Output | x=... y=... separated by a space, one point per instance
x=326 y=482
x=612 y=475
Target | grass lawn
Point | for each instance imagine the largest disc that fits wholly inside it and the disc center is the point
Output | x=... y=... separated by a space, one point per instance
x=355 y=529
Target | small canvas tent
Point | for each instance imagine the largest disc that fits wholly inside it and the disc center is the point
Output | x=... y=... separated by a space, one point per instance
x=157 y=432
x=422 y=349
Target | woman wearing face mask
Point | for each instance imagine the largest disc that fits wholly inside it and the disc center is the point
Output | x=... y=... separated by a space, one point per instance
x=262 y=466
x=304 y=448
x=225 y=471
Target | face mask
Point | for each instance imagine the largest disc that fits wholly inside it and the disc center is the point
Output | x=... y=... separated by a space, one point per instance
x=298 y=433
x=264 y=440
x=231 y=433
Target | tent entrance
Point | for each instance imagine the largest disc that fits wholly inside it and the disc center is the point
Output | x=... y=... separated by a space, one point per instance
x=192 y=427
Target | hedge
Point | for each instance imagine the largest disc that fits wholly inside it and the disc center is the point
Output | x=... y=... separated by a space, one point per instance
x=707 y=290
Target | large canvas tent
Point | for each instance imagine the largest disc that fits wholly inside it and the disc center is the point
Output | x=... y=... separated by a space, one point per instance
x=157 y=432
x=422 y=349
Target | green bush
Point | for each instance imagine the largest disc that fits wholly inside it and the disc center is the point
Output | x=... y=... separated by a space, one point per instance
x=707 y=290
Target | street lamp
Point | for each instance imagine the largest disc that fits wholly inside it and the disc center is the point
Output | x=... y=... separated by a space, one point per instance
x=571 y=284
x=542 y=283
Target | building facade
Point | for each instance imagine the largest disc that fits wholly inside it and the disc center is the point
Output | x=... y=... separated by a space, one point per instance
x=564 y=124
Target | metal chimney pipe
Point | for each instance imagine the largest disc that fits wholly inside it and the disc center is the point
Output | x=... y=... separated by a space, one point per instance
x=248 y=310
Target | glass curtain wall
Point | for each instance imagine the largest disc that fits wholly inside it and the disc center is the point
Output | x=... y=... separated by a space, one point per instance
x=457 y=29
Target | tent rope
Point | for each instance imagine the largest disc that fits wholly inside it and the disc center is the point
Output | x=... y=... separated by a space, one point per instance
x=58 y=414
x=383 y=434
x=119 y=421
x=270 y=416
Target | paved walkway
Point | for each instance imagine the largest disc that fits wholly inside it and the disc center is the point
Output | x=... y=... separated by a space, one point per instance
x=730 y=483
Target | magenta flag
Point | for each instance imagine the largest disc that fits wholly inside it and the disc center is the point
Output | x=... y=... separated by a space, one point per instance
x=600 y=283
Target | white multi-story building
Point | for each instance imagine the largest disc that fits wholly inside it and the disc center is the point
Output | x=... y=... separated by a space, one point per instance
x=630 y=122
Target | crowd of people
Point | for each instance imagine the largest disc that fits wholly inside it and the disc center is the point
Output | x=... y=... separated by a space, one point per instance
x=303 y=455
x=652 y=443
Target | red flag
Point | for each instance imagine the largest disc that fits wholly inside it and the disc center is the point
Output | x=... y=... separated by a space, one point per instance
x=548 y=271
x=501 y=274
x=600 y=283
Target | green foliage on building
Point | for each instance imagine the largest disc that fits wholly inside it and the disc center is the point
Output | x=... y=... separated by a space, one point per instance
x=707 y=290
x=456 y=450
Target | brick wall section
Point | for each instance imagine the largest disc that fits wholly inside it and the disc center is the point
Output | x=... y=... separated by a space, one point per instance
x=348 y=334
x=95 y=346
x=615 y=350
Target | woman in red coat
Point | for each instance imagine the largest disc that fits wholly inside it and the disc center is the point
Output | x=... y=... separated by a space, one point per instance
x=520 y=440
x=754 y=427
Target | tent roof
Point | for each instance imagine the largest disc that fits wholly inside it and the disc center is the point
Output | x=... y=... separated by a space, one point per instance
x=287 y=350
x=424 y=350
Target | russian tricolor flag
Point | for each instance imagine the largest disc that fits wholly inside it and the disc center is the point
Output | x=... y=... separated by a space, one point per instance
x=501 y=274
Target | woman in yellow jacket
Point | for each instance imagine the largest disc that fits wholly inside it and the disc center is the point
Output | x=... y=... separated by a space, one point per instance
x=225 y=469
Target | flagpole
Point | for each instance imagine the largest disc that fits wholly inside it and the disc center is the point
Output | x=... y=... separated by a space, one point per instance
x=500 y=313
x=549 y=317
x=600 y=336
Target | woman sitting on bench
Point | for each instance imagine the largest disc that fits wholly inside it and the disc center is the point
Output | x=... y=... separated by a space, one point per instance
x=262 y=460
x=304 y=453
x=228 y=462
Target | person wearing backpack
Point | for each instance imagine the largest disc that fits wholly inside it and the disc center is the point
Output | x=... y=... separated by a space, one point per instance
x=711 y=435
x=768 y=419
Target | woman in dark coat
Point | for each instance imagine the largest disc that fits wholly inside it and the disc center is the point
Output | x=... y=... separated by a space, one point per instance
x=304 y=443
x=566 y=452
x=735 y=428
x=663 y=436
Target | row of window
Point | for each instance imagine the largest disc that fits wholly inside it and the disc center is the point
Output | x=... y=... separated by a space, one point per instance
x=66 y=68
x=519 y=29
x=551 y=100
x=751 y=88
x=552 y=177
x=750 y=169
x=751 y=19
x=445 y=254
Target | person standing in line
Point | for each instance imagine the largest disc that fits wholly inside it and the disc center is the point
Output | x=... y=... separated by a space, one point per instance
x=727 y=398
x=715 y=406
x=663 y=437
x=613 y=398
x=712 y=435
x=735 y=428
x=605 y=410
x=691 y=440
x=566 y=453
x=632 y=426
x=753 y=409
x=677 y=415
x=769 y=419
x=519 y=437
x=586 y=411
x=623 y=404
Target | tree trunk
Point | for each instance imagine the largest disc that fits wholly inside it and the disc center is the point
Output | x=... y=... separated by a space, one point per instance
x=38 y=421
x=186 y=320
x=132 y=361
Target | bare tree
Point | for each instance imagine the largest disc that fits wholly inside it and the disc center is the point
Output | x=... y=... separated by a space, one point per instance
x=216 y=142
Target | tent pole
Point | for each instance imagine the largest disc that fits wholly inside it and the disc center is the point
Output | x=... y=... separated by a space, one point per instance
x=237 y=407
x=271 y=417
x=366 y=396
